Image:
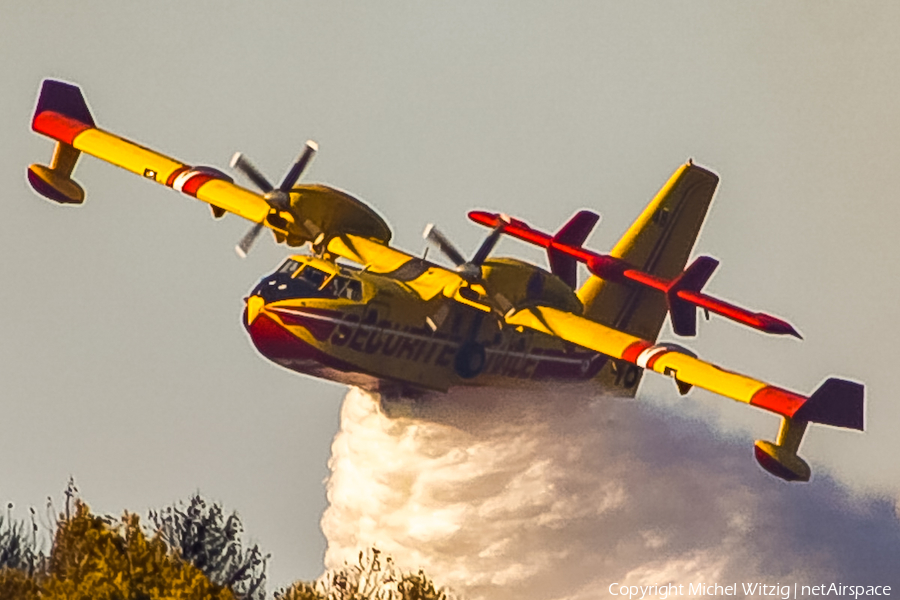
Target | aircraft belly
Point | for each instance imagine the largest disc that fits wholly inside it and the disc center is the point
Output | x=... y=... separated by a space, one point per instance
x=334 y=345
x=333 y=342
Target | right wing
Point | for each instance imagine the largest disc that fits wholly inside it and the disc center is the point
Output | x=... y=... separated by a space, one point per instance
x=836 y=402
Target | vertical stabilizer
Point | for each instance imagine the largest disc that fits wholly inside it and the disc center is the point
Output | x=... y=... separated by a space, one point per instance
x=659 y=242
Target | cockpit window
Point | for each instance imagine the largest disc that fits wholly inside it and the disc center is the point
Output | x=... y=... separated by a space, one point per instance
x=299 y=279
x=335 y=286
x=353 y=291
x=289 y=266
x=314 y=276
x=343 y=287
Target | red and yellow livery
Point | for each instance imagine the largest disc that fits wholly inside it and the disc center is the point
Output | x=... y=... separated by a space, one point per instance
x=358 y=311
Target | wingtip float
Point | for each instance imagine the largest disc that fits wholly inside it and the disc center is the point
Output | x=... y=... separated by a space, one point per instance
x=398 y=323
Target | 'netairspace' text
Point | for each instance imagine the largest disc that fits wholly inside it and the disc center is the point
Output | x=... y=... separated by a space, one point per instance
x=785 y=592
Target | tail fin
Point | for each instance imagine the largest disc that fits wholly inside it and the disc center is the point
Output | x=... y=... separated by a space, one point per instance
x=61 y=113
x=659 y=242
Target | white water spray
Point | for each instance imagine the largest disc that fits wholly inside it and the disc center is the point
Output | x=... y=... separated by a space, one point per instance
x=540 y=495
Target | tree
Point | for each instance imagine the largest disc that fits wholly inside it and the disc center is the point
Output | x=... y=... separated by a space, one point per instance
x=20 y=558
x=19 y=547
x=94 y=558
x=374 y=577
x=204 y=537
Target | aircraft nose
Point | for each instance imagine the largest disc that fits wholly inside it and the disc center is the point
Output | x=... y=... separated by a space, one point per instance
x=254 y=305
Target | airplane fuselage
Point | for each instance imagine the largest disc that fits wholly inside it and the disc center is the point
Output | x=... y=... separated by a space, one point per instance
x=359 y=328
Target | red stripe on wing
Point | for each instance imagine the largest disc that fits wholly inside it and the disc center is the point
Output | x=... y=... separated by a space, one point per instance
x=778 y=400
x=171 y=180
x=192 y=185
x=632 y=352
x=59 y=127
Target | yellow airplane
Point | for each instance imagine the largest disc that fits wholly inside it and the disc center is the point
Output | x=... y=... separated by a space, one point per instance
x=358 y=311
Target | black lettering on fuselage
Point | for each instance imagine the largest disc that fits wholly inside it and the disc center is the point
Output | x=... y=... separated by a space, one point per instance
x=373 y=344
x=507 y=357
x=343 y=331
x=434 y=346
x=407 y=347
x=359 y=337
x=445 y=356
x=391 y=343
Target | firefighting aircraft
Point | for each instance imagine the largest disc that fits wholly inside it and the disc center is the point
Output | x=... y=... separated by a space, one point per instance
x=355 y=310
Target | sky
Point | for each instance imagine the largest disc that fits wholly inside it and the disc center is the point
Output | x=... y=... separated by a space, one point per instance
x=123 y=362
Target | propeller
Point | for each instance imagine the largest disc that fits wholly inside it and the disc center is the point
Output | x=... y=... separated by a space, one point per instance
x=470 y=270
x=279 y=198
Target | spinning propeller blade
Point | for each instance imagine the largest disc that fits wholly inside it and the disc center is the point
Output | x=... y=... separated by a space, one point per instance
x=293 y=176
x=489 y=242
x=278 y=198
x=241 y=163
x=247 y=241
x=439 y=240
x=470 y=270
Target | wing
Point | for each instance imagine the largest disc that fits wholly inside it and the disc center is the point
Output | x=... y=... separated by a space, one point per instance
x=836 y=402
x=63 y=115
x=312 y=213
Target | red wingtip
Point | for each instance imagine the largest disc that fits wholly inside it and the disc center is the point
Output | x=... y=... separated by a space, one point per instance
x=774 y=325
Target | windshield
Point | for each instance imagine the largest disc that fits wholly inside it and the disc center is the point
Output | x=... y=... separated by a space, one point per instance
x=289 y=267
x=343 y=287
x=293 y=279
x=314 y=276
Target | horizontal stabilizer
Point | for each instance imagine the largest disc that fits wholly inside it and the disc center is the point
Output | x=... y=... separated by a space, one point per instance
x=682 y=292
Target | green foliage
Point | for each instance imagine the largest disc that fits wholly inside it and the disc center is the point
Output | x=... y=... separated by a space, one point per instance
x=98 y=558
x=19 y=548
x=16 y=584
x=374 y=577
x=419 y=587
x=301 y=590
x=203 y=536
x=94 y=558
x=193 y=553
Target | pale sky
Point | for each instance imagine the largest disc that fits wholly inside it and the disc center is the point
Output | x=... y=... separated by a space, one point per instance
x=122 y=358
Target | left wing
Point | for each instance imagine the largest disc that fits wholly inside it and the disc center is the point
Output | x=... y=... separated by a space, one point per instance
x=63 y=115
x=836 y=402
x=297 y=214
